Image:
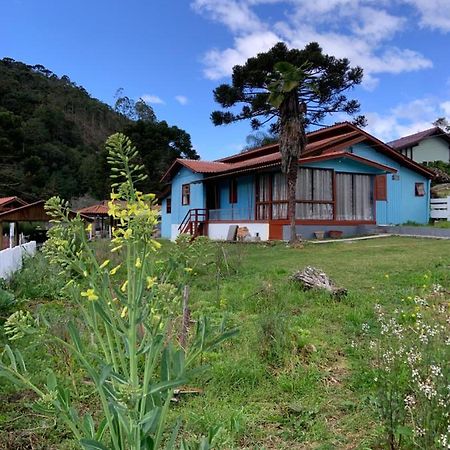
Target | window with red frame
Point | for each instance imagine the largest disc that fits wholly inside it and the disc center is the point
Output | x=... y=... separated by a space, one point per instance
x=185 y=194
x=420 y=189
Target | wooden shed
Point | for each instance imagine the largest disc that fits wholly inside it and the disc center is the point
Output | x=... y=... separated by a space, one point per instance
x=32 y=212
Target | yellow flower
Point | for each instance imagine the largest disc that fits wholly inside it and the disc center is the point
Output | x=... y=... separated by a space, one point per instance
x=85 y=274
x=89 y=228
x=128 y=233
x=138 y=263
x=116 y=248
x=124 y=286
x=386 y=275
x=104 y=264
x=188 y=269
x=151 y=282
x=124 y=311
x=114 y=270
x=90 y=294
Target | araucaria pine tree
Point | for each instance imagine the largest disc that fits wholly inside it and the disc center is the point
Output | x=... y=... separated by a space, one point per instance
x=291 y=89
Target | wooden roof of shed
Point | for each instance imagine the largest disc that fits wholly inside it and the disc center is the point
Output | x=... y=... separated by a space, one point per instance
x=8 y=201
x=32 y=212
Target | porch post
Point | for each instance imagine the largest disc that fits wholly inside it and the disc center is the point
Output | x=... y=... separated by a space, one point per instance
x=11 y=234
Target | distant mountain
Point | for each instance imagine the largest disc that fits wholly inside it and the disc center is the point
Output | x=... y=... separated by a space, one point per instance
x=52 y=135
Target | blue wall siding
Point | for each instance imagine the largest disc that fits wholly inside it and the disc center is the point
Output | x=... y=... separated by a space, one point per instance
x=402 y=204
x=184 y=176
x=165 y=220
x=344 y=165
x=245 y=206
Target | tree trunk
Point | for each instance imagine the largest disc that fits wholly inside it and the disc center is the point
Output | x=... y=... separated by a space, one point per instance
x=292 y=183
x=292 y=145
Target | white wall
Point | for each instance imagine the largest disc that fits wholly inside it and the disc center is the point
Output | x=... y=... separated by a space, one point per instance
x=11 y=258
x=219 y=231
x=174 y=231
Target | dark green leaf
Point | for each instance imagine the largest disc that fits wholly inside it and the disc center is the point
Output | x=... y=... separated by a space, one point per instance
x=91 y=444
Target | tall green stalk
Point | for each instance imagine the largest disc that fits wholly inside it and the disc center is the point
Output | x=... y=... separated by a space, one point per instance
x=126 y=316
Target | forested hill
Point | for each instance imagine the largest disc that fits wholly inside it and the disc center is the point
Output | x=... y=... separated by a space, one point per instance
x=52 y=135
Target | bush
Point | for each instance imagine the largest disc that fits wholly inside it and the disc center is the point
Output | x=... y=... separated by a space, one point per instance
x=38 y=280
x=275 y=343
x=410 y=355
x=7 y=303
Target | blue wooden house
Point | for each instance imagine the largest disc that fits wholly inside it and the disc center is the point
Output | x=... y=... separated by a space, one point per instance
x=348 y=180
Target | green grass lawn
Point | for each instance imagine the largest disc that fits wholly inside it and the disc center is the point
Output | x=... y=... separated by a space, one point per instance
x=291 y=378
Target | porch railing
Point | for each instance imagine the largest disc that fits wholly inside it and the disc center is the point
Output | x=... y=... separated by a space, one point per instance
x=231 y=214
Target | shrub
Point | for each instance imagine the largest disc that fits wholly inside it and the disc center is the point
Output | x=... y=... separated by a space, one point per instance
x=410 y=364
x=7 y=303
x=38 y=280
x=129 y=352
x=275 y=342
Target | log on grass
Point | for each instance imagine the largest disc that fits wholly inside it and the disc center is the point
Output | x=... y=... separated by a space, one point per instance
x=313 y=278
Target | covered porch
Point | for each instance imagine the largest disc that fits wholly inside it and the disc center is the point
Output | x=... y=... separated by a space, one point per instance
x=331 y=193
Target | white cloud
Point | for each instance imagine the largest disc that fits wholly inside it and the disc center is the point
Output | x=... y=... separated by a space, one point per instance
x=406 y=118
x=181 y=99
x=361 y=30
x=219 y=63
x=153 y=99
x=237 y=16
x=434 y=14
x=445 y=106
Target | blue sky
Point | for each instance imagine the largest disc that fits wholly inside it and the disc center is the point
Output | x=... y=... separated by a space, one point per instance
x=173 y=53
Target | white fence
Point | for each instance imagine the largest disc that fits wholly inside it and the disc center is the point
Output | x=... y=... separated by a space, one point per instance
x=440 y=208
x=11 y=258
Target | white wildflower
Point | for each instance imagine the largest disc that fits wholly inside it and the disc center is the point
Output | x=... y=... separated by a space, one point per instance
x=436 y=371
x=410 y=401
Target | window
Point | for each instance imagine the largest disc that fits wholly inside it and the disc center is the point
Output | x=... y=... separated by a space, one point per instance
x=279 y=196
x=263 y=196
x=420 y=189
x=380 y=188
x=314 y=194
x=168 y=205
x=185 y=194
x=354 y=197
x=233 y=190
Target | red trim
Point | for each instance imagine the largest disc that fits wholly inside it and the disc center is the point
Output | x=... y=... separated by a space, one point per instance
x=395 y=154
x=300 y=222
x=275 y=231
x=342 y=154
x=325 y=222
x=238 y=221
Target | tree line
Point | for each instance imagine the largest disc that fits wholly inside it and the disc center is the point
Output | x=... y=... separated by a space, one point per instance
x=52 y=134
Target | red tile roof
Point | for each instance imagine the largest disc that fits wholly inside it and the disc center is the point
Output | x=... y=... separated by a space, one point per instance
x=7 y=200
x=414 y=139
x=101 y=209
x=323 y=143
